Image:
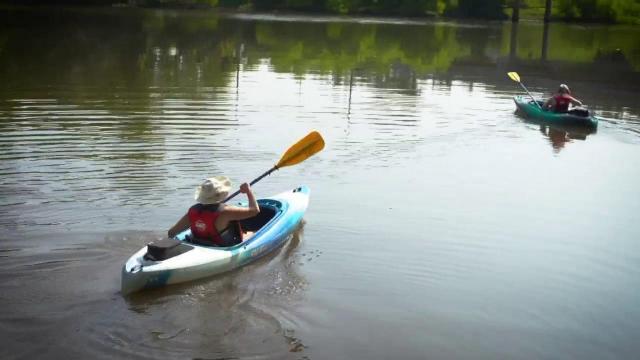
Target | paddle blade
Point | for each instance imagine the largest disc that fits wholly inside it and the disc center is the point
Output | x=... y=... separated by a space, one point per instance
x=514 y=76
x=302 y=150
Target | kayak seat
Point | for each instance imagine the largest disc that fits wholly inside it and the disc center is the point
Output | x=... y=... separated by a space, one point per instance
x=267 y=212
x=165 y=249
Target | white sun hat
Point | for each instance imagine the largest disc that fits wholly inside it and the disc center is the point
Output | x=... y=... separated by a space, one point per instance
x=213 y=190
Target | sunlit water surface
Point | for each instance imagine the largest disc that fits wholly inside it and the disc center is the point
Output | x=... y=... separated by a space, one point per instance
x=441 y=223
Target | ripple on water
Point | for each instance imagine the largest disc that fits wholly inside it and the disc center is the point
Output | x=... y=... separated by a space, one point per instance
x=245 y=313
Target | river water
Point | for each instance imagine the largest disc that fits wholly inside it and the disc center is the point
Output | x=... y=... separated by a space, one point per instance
x=442 y=224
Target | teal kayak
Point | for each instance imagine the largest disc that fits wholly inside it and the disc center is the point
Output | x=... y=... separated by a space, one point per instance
x=183 y=260
x=578 y=117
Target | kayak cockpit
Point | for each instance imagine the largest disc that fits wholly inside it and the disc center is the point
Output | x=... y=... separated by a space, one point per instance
x=168 y=248
x=578 y=111
x=268 y=210
x=234 y=234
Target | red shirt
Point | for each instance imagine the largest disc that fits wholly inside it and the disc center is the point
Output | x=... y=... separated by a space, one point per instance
x=562 y=103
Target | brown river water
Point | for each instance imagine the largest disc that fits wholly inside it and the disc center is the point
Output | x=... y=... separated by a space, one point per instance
x=442 y=224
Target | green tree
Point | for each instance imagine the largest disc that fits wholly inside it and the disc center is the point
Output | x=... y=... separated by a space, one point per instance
x=600 y=10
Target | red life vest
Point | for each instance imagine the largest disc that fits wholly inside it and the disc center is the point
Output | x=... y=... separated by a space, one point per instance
x=562 y=103
x=203 y=222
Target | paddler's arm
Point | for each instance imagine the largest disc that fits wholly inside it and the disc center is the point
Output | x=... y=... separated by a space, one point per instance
x=253 y=203
x=231 y=213
x=575 y=101
x=182 y=225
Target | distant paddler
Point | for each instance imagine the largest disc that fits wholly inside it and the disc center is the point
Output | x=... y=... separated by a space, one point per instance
x=561 y=100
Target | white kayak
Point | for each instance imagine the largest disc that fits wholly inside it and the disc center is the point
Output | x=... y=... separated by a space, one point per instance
x=185 y=261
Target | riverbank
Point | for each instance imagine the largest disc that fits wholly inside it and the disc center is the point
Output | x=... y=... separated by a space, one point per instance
x=578 y=12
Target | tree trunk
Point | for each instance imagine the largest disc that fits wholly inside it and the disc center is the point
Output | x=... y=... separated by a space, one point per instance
x=515 y=16
x=547 y=11
x=545 y=41
x=513 y=44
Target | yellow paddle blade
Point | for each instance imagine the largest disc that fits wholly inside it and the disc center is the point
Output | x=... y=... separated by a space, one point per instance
x=303 y=149
x=514 y=76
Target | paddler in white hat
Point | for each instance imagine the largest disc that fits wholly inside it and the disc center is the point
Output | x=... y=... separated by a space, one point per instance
x=210 y=217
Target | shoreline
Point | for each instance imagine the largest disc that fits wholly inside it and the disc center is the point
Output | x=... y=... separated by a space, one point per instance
x=367 y=16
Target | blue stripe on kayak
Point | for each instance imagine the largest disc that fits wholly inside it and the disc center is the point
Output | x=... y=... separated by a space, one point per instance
x=157 y=281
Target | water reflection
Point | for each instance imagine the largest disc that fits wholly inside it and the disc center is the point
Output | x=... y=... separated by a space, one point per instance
x=559 y=137
x=205 y=49
x=513 y=41
x=125 y=110
x=545 y=42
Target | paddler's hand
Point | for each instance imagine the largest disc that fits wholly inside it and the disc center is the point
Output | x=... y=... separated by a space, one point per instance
x=245 y=188
x=254 y=209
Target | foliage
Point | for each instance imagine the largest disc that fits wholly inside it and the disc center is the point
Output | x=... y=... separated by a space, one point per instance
x=610 y=11
x=603 y=10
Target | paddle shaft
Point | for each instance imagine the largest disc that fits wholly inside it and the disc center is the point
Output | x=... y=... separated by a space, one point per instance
x=515 y=77
x=266 y=173
x=532 y=98
x=298 y=152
